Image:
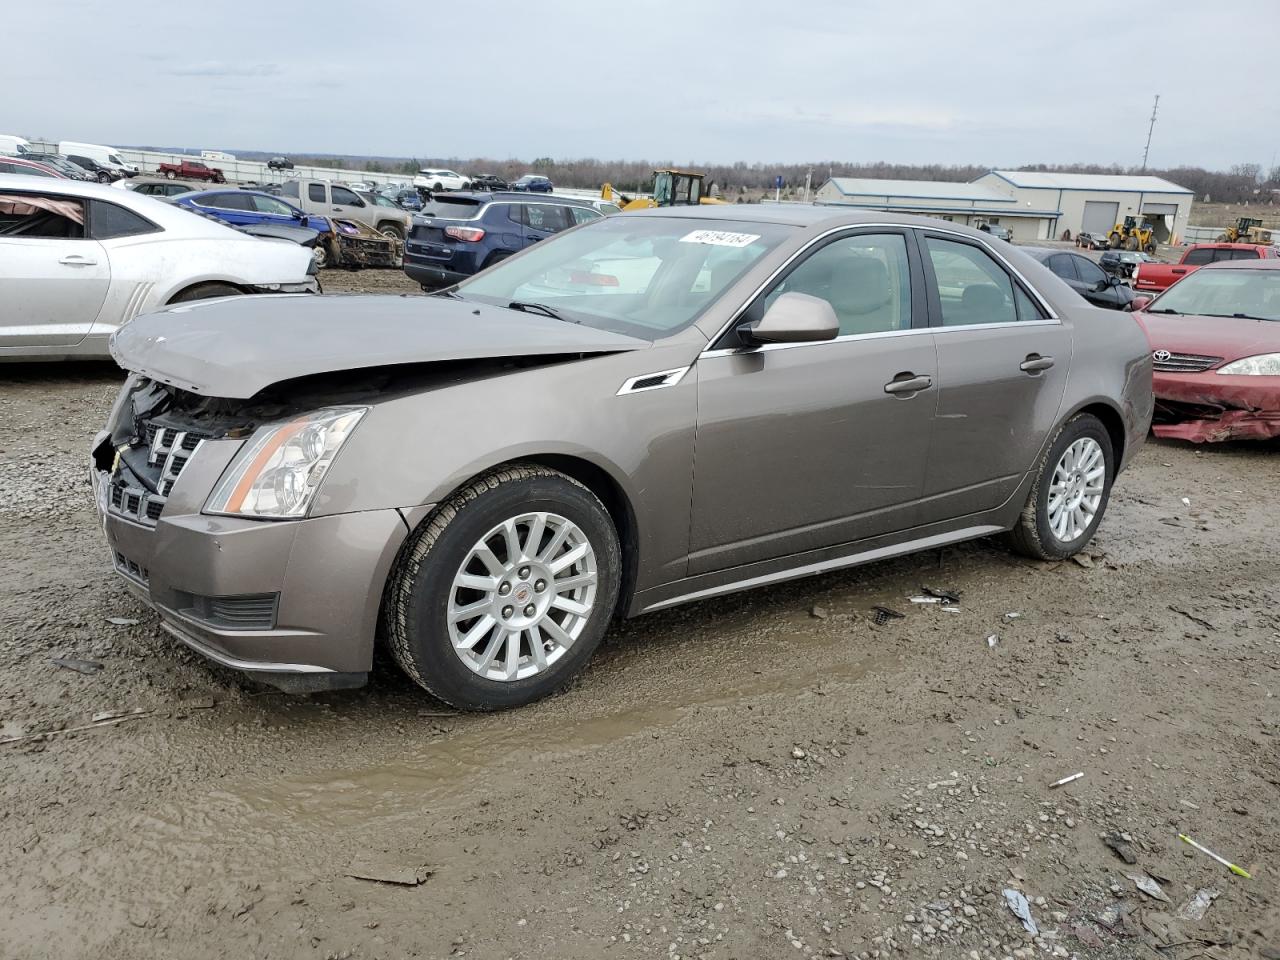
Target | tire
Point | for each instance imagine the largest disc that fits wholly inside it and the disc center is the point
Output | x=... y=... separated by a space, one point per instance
x=320 y=256
x=171 y=175
x=1149 y=248
x=1131 y=243
x=422 y=587
x=436 y=188
x=1222 y=238
x=1114 y=241
x=393 y=230
x=206 y=291
x=1033 y=535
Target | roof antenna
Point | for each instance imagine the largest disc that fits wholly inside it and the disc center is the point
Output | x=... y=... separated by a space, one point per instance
x=1154 y=107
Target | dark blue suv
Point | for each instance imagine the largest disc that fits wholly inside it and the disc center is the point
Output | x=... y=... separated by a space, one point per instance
x=459 y=234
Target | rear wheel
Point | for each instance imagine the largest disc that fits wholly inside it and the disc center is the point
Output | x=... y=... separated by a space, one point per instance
x=1149 y=248
x=437 y=187
x=1222 y=238
x=392 y=230
x=1114 y=240
x=504 y=594
x=206 y=291
x=1069 y=497
x=171 y=175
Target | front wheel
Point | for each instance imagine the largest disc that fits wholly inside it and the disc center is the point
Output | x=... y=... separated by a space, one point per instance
x=171 y=175
x=1070 y=494
x=392 y=230
x=505 y=593
x=1150 y=248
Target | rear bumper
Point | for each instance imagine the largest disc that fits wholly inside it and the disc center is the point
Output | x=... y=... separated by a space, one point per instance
x=1208 y=407
x=325 y=576
x=431 y=276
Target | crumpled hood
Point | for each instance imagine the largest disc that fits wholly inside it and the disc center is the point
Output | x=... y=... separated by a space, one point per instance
x=235 y=347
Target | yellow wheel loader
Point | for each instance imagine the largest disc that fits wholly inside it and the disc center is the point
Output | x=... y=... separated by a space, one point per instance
x=1133 y=237
x=671 y=188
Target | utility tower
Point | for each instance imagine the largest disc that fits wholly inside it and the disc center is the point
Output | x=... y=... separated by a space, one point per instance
x=1147 y=149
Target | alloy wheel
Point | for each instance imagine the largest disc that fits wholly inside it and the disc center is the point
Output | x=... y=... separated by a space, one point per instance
x=522 y=596
x=1076 y=489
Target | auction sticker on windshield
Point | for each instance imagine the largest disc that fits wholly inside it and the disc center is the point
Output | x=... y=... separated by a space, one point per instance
x=720 y=238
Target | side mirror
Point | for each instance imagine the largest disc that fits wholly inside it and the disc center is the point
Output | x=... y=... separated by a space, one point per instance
x=1138 y=303
x=303 y=220
x=793 y=318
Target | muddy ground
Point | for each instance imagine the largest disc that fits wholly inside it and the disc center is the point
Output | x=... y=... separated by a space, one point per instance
x=765 y=775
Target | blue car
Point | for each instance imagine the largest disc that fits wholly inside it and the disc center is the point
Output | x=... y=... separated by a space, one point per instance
x=459 y=234
x=532 y=183
x=406 y=199
x=244 y=207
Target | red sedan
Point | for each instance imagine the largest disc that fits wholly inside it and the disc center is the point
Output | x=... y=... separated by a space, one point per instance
x=1215 y=339
x=28 y=168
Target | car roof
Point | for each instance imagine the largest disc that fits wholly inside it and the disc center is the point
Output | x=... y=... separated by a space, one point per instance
x=163 y=214
x=507 y=196
x=1263 y=263
x=804 y=215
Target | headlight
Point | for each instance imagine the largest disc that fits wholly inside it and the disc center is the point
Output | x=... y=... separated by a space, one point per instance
x=1263 y=365
x=279 y=471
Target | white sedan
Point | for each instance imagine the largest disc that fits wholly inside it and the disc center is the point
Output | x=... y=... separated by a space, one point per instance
x=439 y=179
x=80 y=260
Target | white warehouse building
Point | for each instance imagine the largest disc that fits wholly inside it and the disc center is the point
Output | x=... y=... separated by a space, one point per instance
x=1032 y=206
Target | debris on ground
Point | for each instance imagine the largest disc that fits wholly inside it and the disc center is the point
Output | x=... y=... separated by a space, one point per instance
x=1083 y=560
x=1121 y=846
x=818 y=613
x=947 y=596
x=1238 y=871
x=88 y=667
x=1012 y=615
x=884 y=614
x=1198 y=906
x=923 y=599
x=105 y=719
x=124 y=621
x=1021 y=908
x=1065 y=780
x=1186 y=501
x=992 y=640
x=1148 y=886
x=390 y=871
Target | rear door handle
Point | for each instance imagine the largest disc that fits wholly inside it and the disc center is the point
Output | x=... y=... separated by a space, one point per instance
x=908 y=384
x=75 y=260
x=1035 y=364
x=1177 y=271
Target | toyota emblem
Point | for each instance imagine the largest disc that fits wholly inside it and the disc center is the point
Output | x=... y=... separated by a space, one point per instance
x=1160 y=356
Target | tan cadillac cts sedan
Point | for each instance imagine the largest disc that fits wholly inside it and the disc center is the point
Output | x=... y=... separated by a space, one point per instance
x=649 y=409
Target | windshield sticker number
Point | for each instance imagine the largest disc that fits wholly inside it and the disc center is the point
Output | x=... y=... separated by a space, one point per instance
x=720 y=238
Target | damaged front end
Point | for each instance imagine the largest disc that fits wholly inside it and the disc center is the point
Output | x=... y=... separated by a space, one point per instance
x=1203 y=410
x=356 y=246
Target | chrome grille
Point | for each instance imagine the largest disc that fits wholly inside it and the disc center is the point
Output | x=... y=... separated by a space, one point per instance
x=1182 y=362
x=169 y=450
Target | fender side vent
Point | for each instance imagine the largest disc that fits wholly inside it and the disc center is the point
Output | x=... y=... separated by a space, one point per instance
x=653 y=381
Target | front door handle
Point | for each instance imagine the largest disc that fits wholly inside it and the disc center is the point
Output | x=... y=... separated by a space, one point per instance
x=908 y=383
x=1035 y=363
x=75 y=260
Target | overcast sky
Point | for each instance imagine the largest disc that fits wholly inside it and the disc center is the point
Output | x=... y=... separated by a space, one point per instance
x=931 y=81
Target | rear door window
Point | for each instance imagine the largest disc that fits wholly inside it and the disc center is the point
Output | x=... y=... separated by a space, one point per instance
x=1242 y=254
x=1198 y=258
x=546 y=217
x=226 y=201
x=971 y=287
x=1064 y=266
x=315 y=192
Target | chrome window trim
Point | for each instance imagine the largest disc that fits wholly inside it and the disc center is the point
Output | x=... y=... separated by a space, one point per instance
x=1052 y=317
x=879 y=335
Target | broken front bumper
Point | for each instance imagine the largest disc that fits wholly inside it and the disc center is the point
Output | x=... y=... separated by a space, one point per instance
x=1209 y=407
x=295 y=602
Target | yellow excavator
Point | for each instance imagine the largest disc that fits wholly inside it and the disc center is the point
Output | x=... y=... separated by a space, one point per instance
x=1245 y=229
x=671 y=188
x=1133 y=237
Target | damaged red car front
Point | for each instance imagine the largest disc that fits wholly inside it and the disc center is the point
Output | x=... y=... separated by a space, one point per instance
x=1215 y=339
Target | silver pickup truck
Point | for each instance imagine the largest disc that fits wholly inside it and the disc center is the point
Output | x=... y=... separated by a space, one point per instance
x=328 y=199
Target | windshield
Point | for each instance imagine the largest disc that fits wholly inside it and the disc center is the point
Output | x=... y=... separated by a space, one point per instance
x=1224 y=293
x=647 y=277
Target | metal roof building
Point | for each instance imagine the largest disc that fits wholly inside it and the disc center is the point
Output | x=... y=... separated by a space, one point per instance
x=1033 y=206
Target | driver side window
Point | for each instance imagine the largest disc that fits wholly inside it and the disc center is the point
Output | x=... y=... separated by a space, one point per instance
x=866 y=279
